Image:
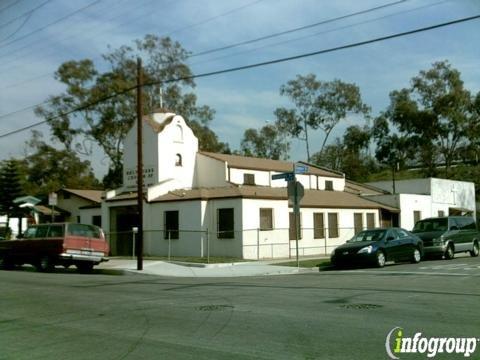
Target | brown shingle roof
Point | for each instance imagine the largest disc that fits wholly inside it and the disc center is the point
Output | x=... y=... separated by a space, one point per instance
x=252 y=163
x=92 y=195
x=362 y=189
x=312 y=198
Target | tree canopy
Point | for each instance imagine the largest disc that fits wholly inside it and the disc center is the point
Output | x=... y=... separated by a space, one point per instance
x=317 y=105
x=434 y=118
x=106 y=120
x=268 y=143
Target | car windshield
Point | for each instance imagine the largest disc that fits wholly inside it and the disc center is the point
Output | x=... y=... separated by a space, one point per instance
x=431 y=225
x=369 y=235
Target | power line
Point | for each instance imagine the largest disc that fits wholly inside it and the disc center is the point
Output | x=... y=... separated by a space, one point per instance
x=51 y=24
x=214 y=17
x=265 y=37
x=27 y=13
x=257 y=48
x=9 y=6
x=285 y=32
x=251 y=66
x=122 y=24
x=318 y=33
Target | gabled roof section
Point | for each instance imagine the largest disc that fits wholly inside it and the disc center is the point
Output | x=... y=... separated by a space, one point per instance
x=252 y=163
x=91 y=195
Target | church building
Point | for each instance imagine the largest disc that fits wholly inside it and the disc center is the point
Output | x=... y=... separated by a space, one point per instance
x=198 y=203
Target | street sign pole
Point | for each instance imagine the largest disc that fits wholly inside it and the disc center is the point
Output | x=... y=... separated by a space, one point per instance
x=296 y=214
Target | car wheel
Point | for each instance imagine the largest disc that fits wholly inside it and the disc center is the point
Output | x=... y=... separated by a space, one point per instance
x=449 y=253
x=84 y=267
x=380 y=259
x=416 y=256
x=45 y=264
x=474 y=252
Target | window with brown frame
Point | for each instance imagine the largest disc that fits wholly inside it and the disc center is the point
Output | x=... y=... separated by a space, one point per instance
x=328 y=185
x=358 y=222
x=249 y=179
x=318 y=226
x=266 y=219
x=370 y=220
x=332 y=225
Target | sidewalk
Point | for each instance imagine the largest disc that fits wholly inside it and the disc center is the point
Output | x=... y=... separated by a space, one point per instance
x=176 y=269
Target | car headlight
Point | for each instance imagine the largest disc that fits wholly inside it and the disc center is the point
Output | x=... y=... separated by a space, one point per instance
x=438 y=240
x=366 y=250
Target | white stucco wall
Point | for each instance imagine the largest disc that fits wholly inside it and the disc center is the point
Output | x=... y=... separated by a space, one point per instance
x=410 y=203
x=210 y=172
x=159 y=153
x=86 y=215
x=265 y=243
x=191 y=241
x=275 y=243
x=73 y=205
x=223 y=247
x=452 y=194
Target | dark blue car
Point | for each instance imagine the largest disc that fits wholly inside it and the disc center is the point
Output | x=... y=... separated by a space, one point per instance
x=377 y=246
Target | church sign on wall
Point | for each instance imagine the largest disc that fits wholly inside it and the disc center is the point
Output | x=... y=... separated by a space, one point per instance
x=149 y=176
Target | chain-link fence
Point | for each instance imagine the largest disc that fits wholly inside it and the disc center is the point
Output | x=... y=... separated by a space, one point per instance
x=254 y=244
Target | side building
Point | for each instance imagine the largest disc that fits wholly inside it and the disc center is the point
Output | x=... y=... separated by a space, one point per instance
x=198 y=203
x=423 y=198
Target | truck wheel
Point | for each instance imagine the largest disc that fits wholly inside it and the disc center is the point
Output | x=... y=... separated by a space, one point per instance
x=449 y=253
x=84 y=267
x=474 y=252
x=45 y=264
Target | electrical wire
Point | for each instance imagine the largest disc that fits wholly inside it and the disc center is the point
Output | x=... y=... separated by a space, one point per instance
x=251 y=66
x=27 y=13
x=289 y=31
x=51 y=24
x=316 y=34
x=264 y=37
x=9 y=6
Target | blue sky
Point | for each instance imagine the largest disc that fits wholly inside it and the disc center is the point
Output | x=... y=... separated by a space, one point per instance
x=31 y=50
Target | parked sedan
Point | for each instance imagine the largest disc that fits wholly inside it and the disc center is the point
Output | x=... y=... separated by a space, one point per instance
x=377 y=246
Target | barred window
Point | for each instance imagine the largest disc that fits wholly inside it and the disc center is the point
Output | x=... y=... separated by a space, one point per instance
x=318 y=226
x=266 y=219
x=332 y=225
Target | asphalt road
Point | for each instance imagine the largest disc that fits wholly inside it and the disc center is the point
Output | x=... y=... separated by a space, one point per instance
x=324 y=315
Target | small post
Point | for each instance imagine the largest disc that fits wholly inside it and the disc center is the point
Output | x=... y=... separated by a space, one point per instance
x=169 y=244
x=296 y=212
x=134 y=231
x=139 y=165
x=208 y=248
x=258 y=244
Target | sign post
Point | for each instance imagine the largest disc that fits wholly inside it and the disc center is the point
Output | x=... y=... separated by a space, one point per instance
x=295 y=193
x=52 y=201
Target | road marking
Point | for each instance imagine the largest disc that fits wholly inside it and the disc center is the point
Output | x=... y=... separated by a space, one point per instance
x=380 y=272
x=452 y=267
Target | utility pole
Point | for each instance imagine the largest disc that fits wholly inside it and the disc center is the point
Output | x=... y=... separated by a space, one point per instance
x=139 y=239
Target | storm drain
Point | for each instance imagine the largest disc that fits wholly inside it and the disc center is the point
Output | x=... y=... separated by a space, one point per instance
x=214 y=307
x=361 y=306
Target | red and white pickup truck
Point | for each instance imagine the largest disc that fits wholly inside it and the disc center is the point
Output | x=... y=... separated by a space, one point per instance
x=47 y=245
